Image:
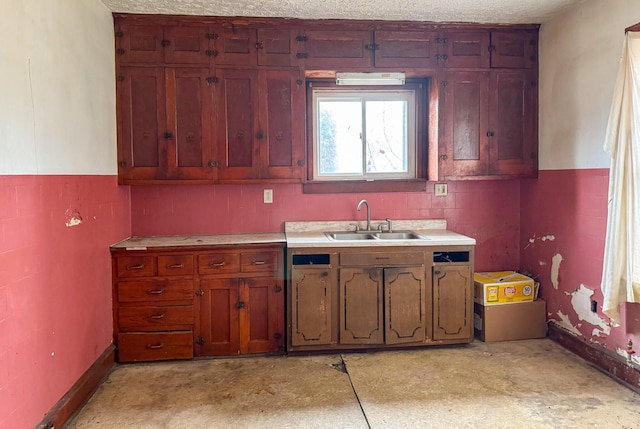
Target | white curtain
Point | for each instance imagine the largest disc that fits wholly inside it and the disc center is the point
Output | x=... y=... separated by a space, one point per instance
x=621 y=270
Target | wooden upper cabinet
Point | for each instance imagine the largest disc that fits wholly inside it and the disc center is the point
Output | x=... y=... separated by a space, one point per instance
x=334 y=49
x=164 y=124
x=156 y=44
x=514 y=49
x=464 y=123
x=274 y=47
x=406 y=49
x=465 y=49
x=513 y=149
x=141 y=123
x=236 y=104
x=236 y=46
x=282 y=124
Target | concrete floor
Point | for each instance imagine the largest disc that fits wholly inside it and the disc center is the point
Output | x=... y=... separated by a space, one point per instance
x=521 y=384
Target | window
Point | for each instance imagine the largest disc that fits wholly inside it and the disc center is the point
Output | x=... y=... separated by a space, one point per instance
x=364 y=133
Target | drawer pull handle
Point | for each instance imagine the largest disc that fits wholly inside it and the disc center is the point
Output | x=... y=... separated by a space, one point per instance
x=155 y=291
x=258 y=262
x=135 y=267
x=157 y=316
x=175 y=266
x=216 y=264
x=155 y=346
x=382 y=259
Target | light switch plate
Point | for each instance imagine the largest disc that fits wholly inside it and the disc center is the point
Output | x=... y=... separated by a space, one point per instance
x=268 y=196
x=440 y=189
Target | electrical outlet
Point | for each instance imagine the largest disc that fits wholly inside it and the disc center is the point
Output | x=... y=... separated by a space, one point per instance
x=440 y=189
x=268 y=196
x=594 y=306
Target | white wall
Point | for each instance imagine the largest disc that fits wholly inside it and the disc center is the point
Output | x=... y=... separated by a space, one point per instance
x=579 y=57
x=57 y=88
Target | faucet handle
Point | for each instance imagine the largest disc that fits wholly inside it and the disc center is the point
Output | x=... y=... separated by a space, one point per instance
x=356 y=225
x=389 y=224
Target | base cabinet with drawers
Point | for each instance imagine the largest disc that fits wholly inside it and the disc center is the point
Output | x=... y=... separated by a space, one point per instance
x=346 y=298
x=179 y=303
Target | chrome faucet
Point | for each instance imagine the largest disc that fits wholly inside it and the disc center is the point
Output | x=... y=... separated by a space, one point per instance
x=368 y=213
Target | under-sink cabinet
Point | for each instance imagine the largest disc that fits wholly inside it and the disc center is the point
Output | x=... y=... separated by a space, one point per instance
x=355 y=298
x=180 y=302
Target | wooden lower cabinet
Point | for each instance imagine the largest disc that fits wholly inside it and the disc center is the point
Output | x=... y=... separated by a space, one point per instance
x=312 y=291
x=405 y=305
x=148 y=346
x=452 y=302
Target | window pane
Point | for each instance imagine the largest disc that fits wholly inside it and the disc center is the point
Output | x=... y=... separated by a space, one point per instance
x=386 y=134
x=339 y=137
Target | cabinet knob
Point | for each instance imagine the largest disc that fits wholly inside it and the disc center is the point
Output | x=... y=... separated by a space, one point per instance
x=240 y=304
x=211 y=53
x=489 y=133
x=443 y=157
x=199 y=292
x=167 y=135
x=260 y=135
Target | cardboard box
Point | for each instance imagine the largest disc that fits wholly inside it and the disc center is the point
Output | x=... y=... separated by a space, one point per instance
x=502 y=287
x=518 y=321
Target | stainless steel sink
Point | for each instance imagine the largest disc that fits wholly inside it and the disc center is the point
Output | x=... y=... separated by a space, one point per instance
x=348 y=236
x=399 y=235
x=351 y=236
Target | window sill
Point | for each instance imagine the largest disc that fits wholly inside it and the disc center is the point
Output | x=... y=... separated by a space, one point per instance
x=342 y=187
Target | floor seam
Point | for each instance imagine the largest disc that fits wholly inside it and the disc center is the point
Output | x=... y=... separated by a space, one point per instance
x=346 y=371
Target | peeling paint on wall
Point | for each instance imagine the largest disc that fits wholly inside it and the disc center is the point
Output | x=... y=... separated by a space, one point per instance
x=73 y=218
x=542 y=263
x=566 y=323
x=533 y=239
x=555 y=268
x=581 y=302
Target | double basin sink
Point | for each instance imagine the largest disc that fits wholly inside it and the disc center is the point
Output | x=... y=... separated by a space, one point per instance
x=373 y=235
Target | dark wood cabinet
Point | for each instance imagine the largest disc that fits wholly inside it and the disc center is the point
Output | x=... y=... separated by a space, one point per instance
x=165 y=125
x=361 y=306
x=405 y=305
x=465 y=49
x=406 y=49
x=488 y=124
x=334 y=49
x=513 y=126
x=241 y=301
x=452 y=302
x=311 y=305
x=514 y=49
x=275 y=47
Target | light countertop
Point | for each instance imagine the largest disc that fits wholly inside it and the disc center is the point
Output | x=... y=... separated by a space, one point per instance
x=159 y=241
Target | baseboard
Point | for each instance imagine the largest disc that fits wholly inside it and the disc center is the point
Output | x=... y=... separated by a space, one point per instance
x=599 y=357
x=80 y=392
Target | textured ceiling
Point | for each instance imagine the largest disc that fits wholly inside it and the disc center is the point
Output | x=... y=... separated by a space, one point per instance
x=481 y=11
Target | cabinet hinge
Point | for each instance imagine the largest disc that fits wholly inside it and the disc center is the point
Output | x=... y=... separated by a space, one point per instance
x=259 y=45
x=444 y=83
x=490 y=134
x=200 y=292
x=212 y=36
x=442 y=40
x=200 y=340
x=120 y=78
x=119 y=34
x=214 y=164
x=301 y=38
x=277 y=288
x=277 y=335
x=301 y=163
x=240 y=305
x=491 y=48
x=302 y=55
x=120 y=51
x=122 y=164
x=165 y=42
x=211 y=53
x=212 y=79
x=441 y=56
x=372 y=47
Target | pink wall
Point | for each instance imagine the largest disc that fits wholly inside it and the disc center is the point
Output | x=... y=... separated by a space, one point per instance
x=564 y=213
x=55 y=286
x=489 y=211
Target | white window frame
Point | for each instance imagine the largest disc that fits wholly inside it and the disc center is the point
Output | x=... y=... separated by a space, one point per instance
x=409 y=95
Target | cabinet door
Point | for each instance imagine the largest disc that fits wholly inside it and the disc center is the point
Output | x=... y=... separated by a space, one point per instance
x=261 y=315
x=464 y=145
x=281 y=131
x=405 y=49
x=311 y=315
x=142 y=123
x=452 y=302
x=137 y=44
x=404 y=290
x=236 y=46
x=189 y=99
x=361 y=306
x=334 y=49
x=466 y=49
x=219 y=325
x=187 y=44
x=274 y=47
x=514 y=49
x=236 y=107
x=513 y=147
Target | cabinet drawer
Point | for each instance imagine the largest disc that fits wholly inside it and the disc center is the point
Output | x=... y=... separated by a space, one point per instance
x=155 y=290
x=214 y=263
x=134 y=266
x=134 y=347
x=379 y=259
x=175 y=265
x=143 y=318
x=258 y=262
